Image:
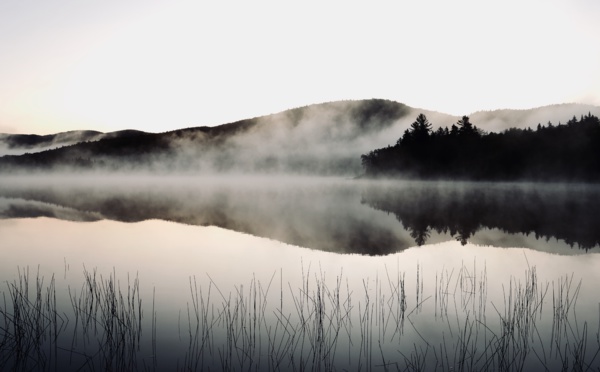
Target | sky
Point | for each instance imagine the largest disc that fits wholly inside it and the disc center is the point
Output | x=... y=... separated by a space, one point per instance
x=162 y=65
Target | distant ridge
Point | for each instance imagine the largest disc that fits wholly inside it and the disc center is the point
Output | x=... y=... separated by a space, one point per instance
x=318 y=138
x=21 y=143
x=502 y=119
x=325 y=138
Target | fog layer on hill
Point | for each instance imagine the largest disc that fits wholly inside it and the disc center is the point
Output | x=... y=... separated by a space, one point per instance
x=322 y=139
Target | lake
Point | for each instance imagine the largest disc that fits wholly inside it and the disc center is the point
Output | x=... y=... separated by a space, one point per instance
x=297 y=273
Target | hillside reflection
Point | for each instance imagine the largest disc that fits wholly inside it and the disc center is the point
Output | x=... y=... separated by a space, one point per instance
x=341 y=216
x=561 y=211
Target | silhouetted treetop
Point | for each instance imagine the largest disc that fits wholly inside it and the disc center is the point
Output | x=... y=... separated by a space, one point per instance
x=568 y=151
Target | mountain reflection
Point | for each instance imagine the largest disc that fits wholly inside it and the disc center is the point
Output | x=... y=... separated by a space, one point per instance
x=341 y=216
x=561 y=211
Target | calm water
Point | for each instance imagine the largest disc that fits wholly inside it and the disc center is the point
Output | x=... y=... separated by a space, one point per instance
x=252 y=274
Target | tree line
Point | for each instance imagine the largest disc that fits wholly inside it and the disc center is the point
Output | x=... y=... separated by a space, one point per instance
x=568 y=151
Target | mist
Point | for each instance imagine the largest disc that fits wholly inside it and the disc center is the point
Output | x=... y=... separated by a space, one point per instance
x=19 y=144
x=324 y=139
x=499 y=120
x=292 y=178
x=329 y=214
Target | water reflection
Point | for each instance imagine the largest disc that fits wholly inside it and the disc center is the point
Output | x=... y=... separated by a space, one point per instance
x=210 y=299
x=342 y=216
x=206 y=298
x=566 y=212
x=21 y=208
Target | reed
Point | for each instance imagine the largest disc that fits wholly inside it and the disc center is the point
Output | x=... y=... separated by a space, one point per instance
x=325 y=323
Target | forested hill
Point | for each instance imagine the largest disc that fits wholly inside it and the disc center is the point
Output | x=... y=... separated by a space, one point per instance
x=19 y=144
x=325 y=138
x=563 y=152
x=319 y=139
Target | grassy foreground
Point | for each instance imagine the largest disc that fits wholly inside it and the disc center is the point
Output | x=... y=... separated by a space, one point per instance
x=389 y=324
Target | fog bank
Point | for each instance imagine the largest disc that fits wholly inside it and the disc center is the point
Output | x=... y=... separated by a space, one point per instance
x=322 y=139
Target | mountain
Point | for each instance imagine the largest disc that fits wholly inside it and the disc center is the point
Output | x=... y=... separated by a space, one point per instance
x=323 y=139
x=18 y=144
x=499 y=120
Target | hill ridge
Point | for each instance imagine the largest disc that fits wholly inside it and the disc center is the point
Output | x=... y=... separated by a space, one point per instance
x=324 y=138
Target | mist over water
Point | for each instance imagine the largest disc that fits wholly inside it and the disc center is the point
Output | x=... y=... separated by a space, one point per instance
x=259 y=249
x=265 y=270
x=330 y=214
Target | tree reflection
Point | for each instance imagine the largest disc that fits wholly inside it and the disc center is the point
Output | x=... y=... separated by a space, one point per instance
x=340 y=217
x=567 y=212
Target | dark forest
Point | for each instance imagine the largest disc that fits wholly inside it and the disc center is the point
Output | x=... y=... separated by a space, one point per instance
x=563 y=152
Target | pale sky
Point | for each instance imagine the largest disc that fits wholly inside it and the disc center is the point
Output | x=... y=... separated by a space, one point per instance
x=162 y=65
